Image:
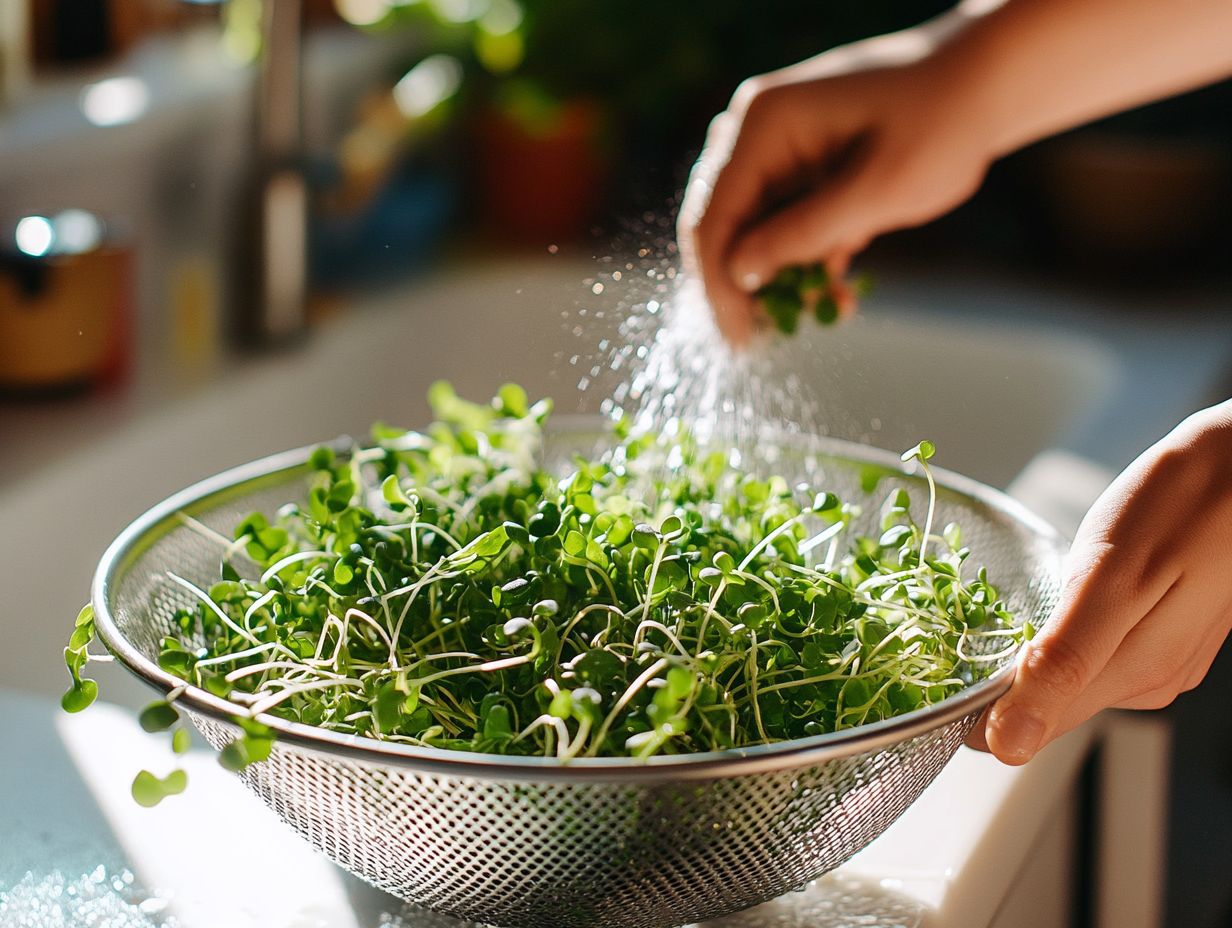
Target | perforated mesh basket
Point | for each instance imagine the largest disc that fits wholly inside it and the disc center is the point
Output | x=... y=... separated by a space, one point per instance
x=521 y=841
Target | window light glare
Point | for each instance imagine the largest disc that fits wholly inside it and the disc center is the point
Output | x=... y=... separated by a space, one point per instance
x=427 y=85
x=363 y=12
x=76 y=231
x=34 y=236
x=115 y=101
x=460 y=11
x=502 y=17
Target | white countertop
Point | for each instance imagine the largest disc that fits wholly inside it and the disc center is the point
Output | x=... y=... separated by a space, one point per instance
x=217 y=856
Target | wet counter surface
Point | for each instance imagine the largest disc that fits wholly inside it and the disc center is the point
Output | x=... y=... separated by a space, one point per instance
x=77 y=849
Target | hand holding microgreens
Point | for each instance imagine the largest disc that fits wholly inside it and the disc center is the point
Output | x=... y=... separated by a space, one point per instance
x=441 y=589
x=803 y=290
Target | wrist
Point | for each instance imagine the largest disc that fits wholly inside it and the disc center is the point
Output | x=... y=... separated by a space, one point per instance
x=955 y=80
x=966 y=71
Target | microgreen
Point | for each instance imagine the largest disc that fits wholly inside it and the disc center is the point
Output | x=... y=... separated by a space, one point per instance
x=441 y=588
x=83 y=691
x=149 y=790
x=805 y=289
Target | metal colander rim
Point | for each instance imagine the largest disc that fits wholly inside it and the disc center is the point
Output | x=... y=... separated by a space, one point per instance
x=154 y=522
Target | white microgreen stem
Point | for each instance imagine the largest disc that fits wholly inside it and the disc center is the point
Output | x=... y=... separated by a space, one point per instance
x=279 y=566
x=827 y=562
x=555 y=725
x=265 y=666
x=431 y=495
x=765 y=542
x=984 y=658
x=647 y=624
x=654 y=573
x=642 y=679
x=372 y=623
x=876 y=581
x=503 y=663
x=710 y=613
x=230 y=546
x=932 y=505
x=753 y=578
x=575 y=746
x=234 y=656
x=752 y=677
x=213 y=606
x=264 y=705
x=829 y=533
x=578 y=616
x=432 y=575
x=415 y=528
x=607 y=582
x=256 y=606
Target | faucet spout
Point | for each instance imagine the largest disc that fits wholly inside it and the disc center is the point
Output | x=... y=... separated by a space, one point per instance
x=276 y=288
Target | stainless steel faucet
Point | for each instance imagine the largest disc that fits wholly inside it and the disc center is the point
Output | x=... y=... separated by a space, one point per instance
x=274 y=278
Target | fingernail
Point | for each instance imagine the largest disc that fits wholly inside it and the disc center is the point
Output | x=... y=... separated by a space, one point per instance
x=1016 y=733
x=751 y=281
x=748 y=281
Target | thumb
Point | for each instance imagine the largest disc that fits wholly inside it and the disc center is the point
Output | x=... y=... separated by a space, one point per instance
x=1056 y=668
x=1047 y=680
x=834 y=218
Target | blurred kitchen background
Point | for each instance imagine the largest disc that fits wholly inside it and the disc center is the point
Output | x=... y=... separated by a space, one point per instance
x=231 y=228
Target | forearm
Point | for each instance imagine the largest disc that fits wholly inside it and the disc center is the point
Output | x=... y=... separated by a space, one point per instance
x=1033 y=68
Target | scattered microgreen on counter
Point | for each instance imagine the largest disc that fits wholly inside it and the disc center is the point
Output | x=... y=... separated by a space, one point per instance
x=440 y=588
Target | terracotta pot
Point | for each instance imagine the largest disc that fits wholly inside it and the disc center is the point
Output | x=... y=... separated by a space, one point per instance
x=542 y=183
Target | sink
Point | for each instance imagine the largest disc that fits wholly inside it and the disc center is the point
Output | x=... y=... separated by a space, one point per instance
x=990 y=395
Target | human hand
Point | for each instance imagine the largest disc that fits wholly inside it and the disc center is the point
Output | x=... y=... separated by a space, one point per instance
x=811 y=162
x=1147 y=601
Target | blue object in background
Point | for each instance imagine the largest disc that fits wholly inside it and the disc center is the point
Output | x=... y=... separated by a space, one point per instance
x=396 y=233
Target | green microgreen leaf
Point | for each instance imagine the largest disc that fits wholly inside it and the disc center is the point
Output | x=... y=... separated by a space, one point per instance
x=149 y=790
x=921 y=452
x=158 y=716
x=798 y=289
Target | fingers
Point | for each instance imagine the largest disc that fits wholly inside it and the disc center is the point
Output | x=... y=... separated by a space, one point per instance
x=843 y=293
x=1162 y=656
x=1154 y=673
x=1136 y=677
x=975 y=738
x=761 y=146
x=728 y=183
x=1147 y=605
x=832 y=221
x=1104 y=599
x=704 y=227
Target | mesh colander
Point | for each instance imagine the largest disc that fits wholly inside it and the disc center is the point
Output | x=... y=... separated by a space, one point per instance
x=597 y=842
